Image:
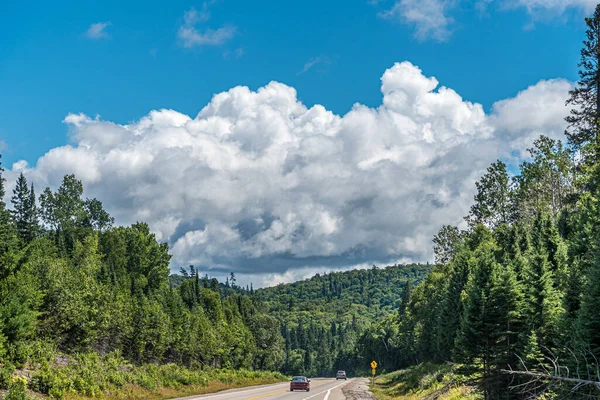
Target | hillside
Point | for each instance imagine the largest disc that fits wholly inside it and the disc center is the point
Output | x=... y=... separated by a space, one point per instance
x=324 y=318
x=325 y=315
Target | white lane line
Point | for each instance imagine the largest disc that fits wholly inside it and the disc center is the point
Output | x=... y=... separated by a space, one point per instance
x=230 y=392
x=327 y=391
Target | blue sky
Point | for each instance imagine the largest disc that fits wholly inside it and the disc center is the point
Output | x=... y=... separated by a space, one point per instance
x=341 y=150
x=49 y=67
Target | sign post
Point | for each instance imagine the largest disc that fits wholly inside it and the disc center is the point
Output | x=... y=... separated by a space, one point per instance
x=373 y=367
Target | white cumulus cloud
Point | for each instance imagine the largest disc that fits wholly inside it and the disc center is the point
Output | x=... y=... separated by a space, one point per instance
x=260 y=184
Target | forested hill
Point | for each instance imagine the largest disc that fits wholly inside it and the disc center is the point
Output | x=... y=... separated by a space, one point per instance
x=370 y=293
x=325 y=320
x=322 y=320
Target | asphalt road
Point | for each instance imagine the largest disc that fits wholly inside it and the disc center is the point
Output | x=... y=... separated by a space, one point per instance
x=320 y=389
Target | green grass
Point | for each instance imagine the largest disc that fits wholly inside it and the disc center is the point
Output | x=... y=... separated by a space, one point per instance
x=427 y=381
x=112 y=377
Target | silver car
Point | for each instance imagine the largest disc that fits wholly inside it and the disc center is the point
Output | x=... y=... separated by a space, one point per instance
x=341 y=375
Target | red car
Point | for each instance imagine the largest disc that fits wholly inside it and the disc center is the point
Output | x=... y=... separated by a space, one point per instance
x=300 y=383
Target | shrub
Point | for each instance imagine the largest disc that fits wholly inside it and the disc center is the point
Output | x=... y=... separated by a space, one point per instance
x=17 y=387
x=6 y=372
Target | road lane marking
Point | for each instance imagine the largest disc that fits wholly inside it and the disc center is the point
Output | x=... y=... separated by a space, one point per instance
x=326 y=391
x=230 y=392
x=266 y=395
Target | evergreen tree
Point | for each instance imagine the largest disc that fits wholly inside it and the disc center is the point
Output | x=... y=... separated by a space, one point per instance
x=583 y=121
x=20 y=200
x=452 y=306
x=543 y=300
x=476 y=333
x=589 y=315
x=33 y=216
x=8 y=237
x=24 y=210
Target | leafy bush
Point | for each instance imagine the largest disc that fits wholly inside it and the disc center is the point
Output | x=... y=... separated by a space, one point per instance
x=6 y=372
x=90 y=375
x=17 y=389
x=54 y=382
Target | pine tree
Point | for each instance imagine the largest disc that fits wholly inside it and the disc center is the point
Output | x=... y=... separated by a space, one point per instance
x=505 y=314
x=8 y=237
x=543 y=300
x=33 y=217
x=583 y=121
x=452 y=306
x=589 y=316
x=531 y=353
x=24 y=210
x=19 y=200
x=475 y=331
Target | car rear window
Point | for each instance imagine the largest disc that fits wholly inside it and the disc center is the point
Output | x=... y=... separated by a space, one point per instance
x=298 y=379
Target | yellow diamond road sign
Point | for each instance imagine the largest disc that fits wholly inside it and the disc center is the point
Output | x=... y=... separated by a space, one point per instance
x=373 y=364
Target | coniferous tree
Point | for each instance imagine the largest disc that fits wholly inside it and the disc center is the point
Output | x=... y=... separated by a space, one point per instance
x=543 y=300
x=583 y=121
x=24 y=210
x=476 y=333
x=589 y=315
x=8 y=237
x=20 y=200
x=33 y=216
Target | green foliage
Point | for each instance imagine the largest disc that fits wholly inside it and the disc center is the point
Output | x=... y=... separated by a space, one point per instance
x=326 y=319
x=6 y=373
x=17 y=387
x=583 y=120
x=428 y=381
x=495 y=199
x=91 y=375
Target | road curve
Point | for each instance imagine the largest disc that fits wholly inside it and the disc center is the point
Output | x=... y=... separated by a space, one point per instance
x=320 y=389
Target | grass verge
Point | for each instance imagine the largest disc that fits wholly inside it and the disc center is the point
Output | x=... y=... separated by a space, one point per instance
x=112 y=377
x=427 y=382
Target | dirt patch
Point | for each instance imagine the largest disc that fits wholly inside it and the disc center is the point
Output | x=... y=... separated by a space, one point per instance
x=358 y=389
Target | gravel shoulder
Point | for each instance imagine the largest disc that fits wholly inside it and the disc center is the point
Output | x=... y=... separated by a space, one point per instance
x=358 y=389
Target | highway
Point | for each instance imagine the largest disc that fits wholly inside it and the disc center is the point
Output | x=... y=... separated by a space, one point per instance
x=320 y=389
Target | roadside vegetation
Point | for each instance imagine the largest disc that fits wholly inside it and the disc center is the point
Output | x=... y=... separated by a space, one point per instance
x=429 y=382
x=113 y=377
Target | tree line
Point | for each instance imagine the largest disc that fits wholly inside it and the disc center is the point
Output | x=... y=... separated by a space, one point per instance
x=71 y=279
x=516 y=295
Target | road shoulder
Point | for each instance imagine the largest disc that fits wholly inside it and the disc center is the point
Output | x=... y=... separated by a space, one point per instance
x=358 y=389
